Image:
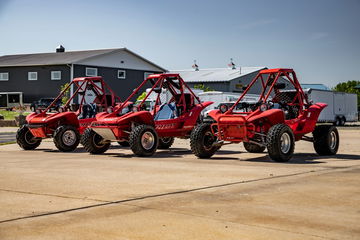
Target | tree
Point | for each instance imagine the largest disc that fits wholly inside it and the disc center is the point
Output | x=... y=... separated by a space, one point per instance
x=142 y=96
x=349 y=87
x=66 y=95
x=203 y=87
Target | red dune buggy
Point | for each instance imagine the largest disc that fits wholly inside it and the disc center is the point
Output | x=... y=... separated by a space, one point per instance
x=281 y=116
x=66 y=125
x=173 y=112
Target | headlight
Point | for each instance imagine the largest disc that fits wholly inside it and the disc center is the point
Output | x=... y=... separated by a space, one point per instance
x=223 y=108
x=263 y=107
x=109 y=110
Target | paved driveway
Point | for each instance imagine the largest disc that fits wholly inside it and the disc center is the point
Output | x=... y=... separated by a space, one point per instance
x=46 y=194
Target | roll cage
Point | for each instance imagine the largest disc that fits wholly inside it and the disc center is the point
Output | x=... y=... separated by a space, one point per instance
x=180 y=93
x=104 y=95
x=293 y=96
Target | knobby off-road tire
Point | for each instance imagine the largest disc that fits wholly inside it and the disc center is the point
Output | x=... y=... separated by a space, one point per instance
x=66 y=138
x=143 y=140
x=201 y=141
x=165 y=142
x=253 y=148
x=326 y=140
x=92 y=142
x=124 y=144
x=26 y=140
x=280 y=143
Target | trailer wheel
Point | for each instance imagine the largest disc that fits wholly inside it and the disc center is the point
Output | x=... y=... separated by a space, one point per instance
x=26 y=140
x=124 y=144
x=337 y=121
x=92 y=142
x=202 y=141
x=280 y=143
x=342 y=121
x=253 y=148
x=326 y=140
x=165 y=142
x=66 y=138
x=143 y=140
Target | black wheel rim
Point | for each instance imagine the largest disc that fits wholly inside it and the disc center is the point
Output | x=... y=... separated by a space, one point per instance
x=209 y=140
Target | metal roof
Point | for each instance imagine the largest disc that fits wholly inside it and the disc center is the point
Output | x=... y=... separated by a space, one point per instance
x=59 y=58
x=314 y=86
x=215 y=74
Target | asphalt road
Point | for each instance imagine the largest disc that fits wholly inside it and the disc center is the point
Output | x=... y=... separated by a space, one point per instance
x=46 y=194
x=8 y=134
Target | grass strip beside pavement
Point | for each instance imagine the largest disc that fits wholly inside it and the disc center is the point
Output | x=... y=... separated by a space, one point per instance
x=10 y=115
x=6 y=143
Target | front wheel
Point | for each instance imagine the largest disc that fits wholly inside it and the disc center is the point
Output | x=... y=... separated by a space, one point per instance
x=26 y=140
x=280 y=143
x=66 y=138
x=202 y=141
x=326 y=140
x=165 y=142
x=93 y=142
x=143 y=140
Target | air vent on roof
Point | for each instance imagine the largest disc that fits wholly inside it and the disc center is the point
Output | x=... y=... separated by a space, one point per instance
x=232 y=64
x=60 y=48
x=195 y=66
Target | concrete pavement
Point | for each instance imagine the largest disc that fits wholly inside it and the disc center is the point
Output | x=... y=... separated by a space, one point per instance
x=173 y=195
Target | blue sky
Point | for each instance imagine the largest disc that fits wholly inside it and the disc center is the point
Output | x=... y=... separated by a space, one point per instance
x=319 y=38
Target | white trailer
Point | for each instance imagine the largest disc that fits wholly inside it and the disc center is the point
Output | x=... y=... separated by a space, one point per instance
x=11 y=100
x=342 y=107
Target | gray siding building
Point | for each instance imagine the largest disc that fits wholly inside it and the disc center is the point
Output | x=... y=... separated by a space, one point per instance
x=222 y=79
x=41 y=75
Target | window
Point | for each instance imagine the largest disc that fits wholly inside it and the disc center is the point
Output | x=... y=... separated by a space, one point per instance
x=32 y=76
x=121 y=74
x=4 y=76
x=55 y=75
x=146 y=74
x=91 y=72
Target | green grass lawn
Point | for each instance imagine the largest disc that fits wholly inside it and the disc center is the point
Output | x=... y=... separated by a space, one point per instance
x=10 y=115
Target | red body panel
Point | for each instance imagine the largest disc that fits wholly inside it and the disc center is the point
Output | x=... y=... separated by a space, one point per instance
x=43 y=124
x=179 y=126
x=243 y=126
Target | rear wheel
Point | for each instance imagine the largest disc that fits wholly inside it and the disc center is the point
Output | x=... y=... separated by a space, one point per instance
x=253 y=148
x=326 y=140
x=143 y=140
x=165 y=142
x=280 y=143
x=202 y=141
x=66 y=138
x=93 y=142
x=26 y=140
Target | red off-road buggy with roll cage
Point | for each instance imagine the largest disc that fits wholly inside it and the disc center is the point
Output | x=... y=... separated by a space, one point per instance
x=281 y=116
x=175 y=112
x=66 y=125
